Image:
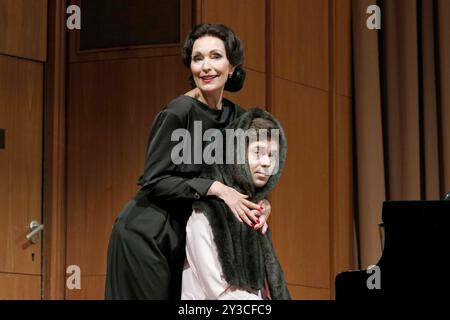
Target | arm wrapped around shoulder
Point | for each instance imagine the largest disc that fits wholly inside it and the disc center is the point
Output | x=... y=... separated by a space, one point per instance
x=161 y=179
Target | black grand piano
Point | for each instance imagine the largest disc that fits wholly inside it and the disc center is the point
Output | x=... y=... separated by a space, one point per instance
x=414 y=260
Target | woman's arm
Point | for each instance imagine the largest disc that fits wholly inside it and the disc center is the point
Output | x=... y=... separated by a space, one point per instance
x=160 y=179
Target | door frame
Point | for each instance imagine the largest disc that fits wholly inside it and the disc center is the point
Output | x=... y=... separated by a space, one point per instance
x=54 y=163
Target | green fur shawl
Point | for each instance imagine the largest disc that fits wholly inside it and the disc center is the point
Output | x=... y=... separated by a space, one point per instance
x=247 y=257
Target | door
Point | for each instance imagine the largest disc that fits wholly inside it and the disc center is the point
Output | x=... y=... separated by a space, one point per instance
x=20 y=177
x=22 y=57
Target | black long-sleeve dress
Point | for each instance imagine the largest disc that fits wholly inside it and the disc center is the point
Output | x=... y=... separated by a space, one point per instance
x=147 y=246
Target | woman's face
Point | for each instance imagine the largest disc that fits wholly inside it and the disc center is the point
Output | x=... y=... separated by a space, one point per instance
x=209 y=64
x=262 y=159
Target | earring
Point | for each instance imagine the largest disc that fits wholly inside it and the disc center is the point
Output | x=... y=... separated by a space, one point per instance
x=229 y=75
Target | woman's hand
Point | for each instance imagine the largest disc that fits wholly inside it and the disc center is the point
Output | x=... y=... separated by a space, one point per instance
x=264 y=215
x=243 y=209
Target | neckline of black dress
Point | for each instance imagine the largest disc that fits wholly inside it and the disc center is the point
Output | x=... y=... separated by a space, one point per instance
x=225 y=104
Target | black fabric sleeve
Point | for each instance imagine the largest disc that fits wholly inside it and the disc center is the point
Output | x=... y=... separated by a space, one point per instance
x=160 y=178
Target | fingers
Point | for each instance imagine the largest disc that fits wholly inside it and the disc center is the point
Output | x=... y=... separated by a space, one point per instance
x=243 y=215
x=251 y=214
x=251 y=205
x=243 y=209
x=240 y=215
x=264 y=228
x=258 y=213
x=236 y=215
x=261 y=221
x=254 y=212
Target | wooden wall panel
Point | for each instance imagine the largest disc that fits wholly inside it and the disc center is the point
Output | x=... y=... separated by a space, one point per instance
x=20 y=287
x=301 y=41
x=92 y=288
x=300 y=201
x=247 y=19
x=23 y=28
x=54 y=180
x=21 y=100
x=343 y=241
x=342 y=250
x=308 y=293
x=342 y=43
x=111 y=108
x=253 y=93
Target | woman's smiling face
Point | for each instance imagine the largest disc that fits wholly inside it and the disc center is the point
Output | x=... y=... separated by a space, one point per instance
x=210 y=66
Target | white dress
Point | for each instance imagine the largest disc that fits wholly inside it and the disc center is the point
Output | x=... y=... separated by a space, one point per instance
x=202 y=273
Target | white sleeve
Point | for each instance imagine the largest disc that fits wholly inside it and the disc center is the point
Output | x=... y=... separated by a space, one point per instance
x=203 y=258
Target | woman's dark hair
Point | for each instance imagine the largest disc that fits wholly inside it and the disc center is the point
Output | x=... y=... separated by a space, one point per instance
x=233 y=48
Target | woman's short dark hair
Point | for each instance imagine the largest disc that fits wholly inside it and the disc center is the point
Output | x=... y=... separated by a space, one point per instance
x=233 y=48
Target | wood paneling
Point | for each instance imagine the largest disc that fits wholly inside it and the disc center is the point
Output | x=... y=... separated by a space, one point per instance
x=247 y=19
x=308 y=293
x=303 y=50
x=341 y=177
x=343 y=236
x=342 y=47
x=253 y=93
x=301 y=41
x=111 y=108
x=55 y=156
x=20 y=287
x=23 y=28
x=92 y=288
x=21 y=99
x=300 y=201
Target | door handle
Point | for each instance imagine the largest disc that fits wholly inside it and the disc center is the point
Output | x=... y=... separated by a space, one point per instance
x=35 y=228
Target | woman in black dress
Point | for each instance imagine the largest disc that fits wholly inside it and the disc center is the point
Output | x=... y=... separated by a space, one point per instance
x=147 y=246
